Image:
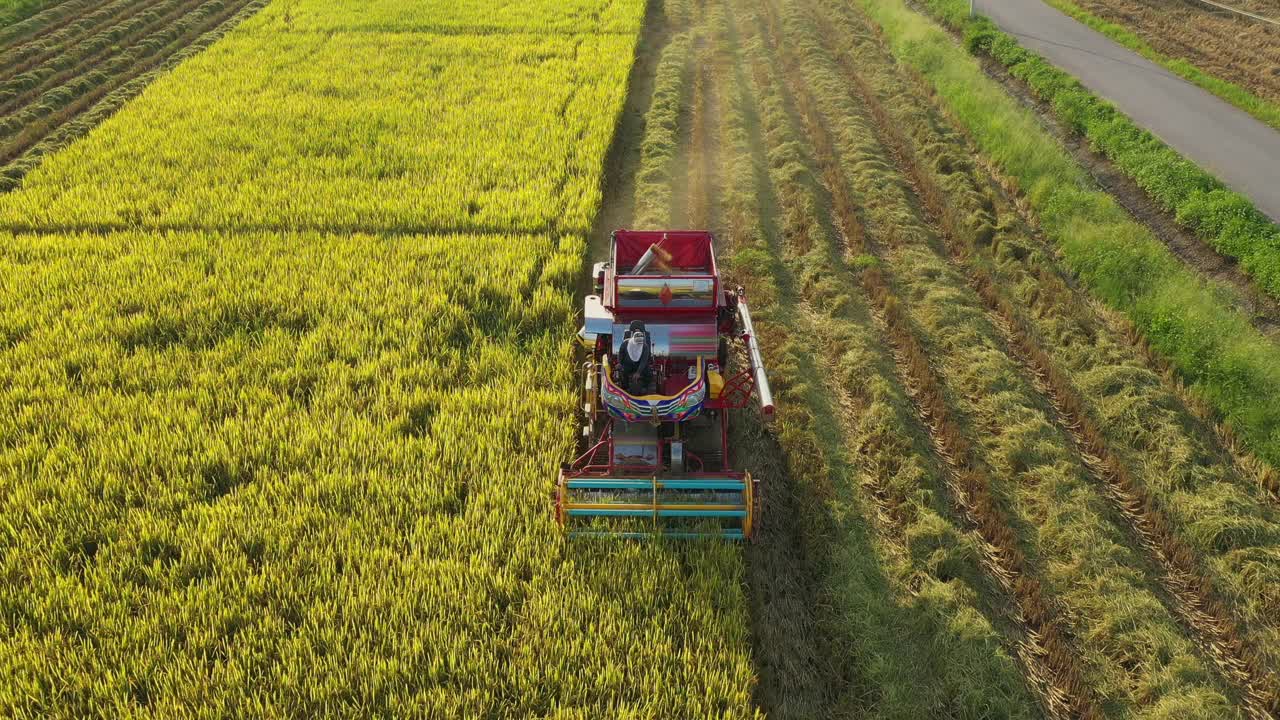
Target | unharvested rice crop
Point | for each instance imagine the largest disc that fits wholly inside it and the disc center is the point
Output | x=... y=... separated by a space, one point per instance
x=267 y=450
x=286 y=474
x=427 y=133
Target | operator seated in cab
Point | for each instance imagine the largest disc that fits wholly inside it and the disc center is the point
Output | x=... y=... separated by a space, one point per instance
x=636 y=360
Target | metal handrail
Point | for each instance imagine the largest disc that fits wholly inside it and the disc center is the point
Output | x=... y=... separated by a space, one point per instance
x=754 y=358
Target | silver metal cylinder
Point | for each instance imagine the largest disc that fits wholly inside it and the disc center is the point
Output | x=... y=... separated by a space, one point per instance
x=677 y=456
x=755 y=359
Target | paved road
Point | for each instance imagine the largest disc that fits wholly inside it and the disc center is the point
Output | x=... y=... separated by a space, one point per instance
x=1241 y=151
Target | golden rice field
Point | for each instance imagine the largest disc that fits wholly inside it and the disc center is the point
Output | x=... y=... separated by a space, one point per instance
x=286 y=373
x=284 y=376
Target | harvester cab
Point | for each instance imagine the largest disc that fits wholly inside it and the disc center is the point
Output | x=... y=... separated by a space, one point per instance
x=657 y=391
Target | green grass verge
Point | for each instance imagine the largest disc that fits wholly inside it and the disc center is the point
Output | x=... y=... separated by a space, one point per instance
x=1261 y=108
x=1217 y=351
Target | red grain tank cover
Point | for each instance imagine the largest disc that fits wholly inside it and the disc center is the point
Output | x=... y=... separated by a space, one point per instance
x=690 y=250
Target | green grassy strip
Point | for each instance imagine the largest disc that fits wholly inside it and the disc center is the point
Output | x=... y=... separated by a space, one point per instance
x=1261 y=108
x=1224 y=359
x=660 y=151
x=1226 y=220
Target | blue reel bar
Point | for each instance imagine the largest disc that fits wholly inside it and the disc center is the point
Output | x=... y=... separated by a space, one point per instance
x=661 y=483
x=727 y=534
x=726 y=501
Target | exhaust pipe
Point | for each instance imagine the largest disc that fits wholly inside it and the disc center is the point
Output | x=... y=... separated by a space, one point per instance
x=754 y=358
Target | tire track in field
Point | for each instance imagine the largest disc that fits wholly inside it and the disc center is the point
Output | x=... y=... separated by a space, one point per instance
x=1047 y=650
x=713 y=64
x=682 y=190
x=703 y=190
x=1196 y=601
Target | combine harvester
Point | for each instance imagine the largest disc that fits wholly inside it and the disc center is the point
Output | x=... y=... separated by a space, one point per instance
x=657 y=394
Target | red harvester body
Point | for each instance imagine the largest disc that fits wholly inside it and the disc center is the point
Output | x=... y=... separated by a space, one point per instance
x=657 y=395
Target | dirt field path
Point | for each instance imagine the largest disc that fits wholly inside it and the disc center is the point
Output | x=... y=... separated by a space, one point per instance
x=1243 y=152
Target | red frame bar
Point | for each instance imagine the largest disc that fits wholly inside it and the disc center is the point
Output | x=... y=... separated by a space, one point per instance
x=582 y=465
x=736 y=393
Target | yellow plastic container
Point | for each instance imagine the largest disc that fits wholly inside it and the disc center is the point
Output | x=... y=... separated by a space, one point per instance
x=715 y=384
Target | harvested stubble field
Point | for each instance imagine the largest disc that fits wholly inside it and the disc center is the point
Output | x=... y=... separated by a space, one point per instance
x=1228 y=46
x=972 y=453
x=278 y=442
x=11 y=11
x=72 y=64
